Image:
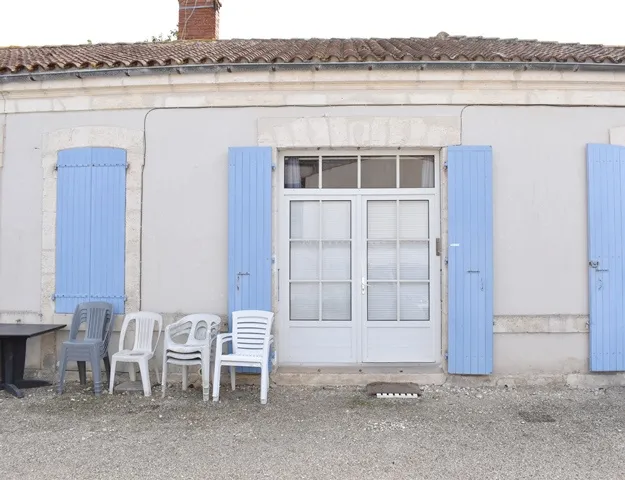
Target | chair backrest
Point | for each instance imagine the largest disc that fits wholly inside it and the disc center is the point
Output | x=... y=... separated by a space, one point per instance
x=144 y=323
x=99 y=319
x=250 y=330
x=198 y=329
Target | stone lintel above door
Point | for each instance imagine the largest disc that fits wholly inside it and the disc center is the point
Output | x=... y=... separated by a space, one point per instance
x=359 y=131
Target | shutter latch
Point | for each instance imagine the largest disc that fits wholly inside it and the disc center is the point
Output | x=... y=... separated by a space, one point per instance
x=239 y=275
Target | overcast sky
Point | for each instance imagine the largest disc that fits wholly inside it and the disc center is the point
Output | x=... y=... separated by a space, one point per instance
x=50 y=22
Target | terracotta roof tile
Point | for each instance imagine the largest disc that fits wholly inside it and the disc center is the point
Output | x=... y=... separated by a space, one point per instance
x=440 y=48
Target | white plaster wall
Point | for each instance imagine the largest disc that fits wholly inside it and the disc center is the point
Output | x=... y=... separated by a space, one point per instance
x=540 y=353
x=539 y=202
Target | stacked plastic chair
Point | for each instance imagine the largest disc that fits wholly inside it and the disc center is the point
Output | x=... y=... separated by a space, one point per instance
x=189 y=341
x=93 y=348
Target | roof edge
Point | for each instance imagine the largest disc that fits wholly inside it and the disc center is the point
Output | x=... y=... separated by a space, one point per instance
x=330 y=66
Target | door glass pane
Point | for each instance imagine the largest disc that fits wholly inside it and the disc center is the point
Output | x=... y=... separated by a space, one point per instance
x=305 y=220
x=414 y=301
x=339 y=172
x=320 y=273
x=301 y=172
x=336 y=301
x=336 y=220
x=382 y=219
x=381 y=260
x=413 y=220
x=304 y=301
x=416 y=172
x=304 y=260
x=382 y=302
x=414 y=261
x=337 y=261
x=378 y=172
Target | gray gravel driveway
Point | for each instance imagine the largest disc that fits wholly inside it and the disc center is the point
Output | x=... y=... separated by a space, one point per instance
x=315 y=433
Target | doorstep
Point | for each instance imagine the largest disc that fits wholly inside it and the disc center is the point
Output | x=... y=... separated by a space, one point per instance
x=359 y=375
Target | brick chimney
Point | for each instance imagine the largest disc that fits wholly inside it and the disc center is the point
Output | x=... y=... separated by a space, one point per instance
x=198 y=19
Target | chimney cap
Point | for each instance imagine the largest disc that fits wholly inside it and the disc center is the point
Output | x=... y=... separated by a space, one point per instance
x=200 y=3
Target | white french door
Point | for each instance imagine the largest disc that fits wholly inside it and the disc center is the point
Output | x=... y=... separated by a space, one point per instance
x=319 y=287
x=358 y=271
x=362 y=280
x=399 y=279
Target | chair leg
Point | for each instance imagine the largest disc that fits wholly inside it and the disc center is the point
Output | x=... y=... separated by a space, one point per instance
x=206 y=368
x=216 y=380
x=264 y=383
x=107 y=367
x=96 y=372
x=132 y=372
x=185 y=377
x=63 y=368
x=82 y=372
x=112 y=377
x=164 y=378
x=233 y=377
x=144 y=368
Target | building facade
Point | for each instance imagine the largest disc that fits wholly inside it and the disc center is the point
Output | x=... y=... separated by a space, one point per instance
x=424 y=218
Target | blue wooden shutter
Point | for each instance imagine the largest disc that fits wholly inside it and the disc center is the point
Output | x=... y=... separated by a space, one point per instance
x=249 y=230
x=108 y=227
x=90 y=227
x=470 y=254
x=606 y=224
x=73 y=226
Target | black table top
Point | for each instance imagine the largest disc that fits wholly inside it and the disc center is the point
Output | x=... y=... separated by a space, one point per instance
x=27 y=329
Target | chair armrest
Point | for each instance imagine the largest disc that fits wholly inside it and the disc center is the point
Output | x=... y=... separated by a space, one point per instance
x=224 y=338
x=267 y=345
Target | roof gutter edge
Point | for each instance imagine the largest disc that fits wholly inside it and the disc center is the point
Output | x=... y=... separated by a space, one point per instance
x=336 y=66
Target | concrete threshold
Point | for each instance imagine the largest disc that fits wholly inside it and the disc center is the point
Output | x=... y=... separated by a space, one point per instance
x=359 y=375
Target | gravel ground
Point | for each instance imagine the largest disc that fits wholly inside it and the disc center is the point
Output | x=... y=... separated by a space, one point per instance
x=449 y=433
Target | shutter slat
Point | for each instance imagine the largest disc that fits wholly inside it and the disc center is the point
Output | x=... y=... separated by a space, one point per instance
x=108 y=208
x=73 y=225
x=606 y=187
x=470 y=255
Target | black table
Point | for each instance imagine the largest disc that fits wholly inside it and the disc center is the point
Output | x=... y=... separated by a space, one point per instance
x=13 y=338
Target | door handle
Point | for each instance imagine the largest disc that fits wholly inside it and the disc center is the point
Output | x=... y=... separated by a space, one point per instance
x=363 y=285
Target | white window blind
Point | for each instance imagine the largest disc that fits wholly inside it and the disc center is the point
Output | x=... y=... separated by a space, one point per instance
x=320 y=280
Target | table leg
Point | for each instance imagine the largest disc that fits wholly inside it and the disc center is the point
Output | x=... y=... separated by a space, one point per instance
x=13 y=360
x=12 y=389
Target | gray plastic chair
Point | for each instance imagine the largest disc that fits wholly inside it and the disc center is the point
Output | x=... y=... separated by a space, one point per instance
x=93 y=347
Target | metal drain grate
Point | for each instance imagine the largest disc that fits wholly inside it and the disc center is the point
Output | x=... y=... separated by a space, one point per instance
x=536 y=417
x=397 y=395
x=393 y=390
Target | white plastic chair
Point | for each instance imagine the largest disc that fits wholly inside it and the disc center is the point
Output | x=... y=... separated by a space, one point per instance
x=198 y=332
x=142 y=350
x=251 y=340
